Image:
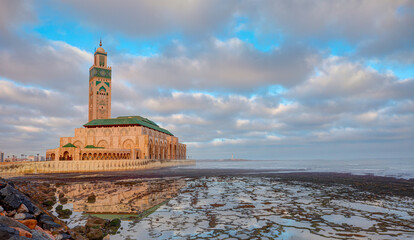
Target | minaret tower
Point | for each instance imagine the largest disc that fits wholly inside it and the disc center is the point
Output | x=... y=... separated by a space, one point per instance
x=100 y=86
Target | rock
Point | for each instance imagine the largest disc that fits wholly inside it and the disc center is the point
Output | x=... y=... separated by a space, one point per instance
x=76 y=235
x=45 y=233
x=107 y=237
x=47 y=222
x=94 y=234
x=65 y=213
x=11 y=213
x=114 y=225
x=29 y=216
x=95 y=222
x=12 y=223
x=3 y=183
x=30 y=223
x=37 y=212
x=115 y=222
x=37 y=235
x=48 y=202
x=23 y=232
x=80 y=229
x=1 y=209
x=61 y=195
x=50 y=225
x=22 y=209
x=7 y=232
x=20 y=216
x=63 y=200
x=63 y=236
x=11 y=199
x=44 y=217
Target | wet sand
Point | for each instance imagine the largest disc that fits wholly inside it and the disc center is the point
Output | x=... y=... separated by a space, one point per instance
x=374 y=184
x=244 y=204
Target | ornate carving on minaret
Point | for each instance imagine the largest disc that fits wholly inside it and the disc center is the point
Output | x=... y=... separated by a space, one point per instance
x=100 y=86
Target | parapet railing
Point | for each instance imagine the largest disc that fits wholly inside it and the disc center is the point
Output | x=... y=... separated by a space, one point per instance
x=88 y=166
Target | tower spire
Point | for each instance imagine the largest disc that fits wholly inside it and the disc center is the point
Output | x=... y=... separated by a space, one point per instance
x=100 y=42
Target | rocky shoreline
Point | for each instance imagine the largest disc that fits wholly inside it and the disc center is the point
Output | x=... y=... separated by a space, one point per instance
x=376 y=184
x=21 y=218
x=27 y=216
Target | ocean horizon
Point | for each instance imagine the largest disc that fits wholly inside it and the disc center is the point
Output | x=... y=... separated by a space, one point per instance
x=387 y=167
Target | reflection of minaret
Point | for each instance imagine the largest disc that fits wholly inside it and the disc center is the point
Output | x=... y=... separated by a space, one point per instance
x=232 y=156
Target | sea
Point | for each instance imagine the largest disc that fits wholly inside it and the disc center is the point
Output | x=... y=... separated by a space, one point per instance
x=390 y=167
x=246 y=206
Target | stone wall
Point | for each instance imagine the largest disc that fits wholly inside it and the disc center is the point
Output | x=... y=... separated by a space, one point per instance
x=88 y=166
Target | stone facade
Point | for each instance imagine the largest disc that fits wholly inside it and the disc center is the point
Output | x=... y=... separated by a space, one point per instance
x=105 y=138
x=100 y=85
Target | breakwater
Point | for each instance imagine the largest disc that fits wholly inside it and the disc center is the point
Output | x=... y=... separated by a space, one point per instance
x=88 y=166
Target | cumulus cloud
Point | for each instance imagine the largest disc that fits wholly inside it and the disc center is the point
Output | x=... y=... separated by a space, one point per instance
x=374 y=28
x=213 y=89
x=230 y=65
x=150 y=18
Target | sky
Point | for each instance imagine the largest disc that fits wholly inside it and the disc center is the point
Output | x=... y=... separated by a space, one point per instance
x=266 y=79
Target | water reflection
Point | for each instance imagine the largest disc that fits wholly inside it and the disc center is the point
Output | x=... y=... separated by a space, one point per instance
x=121 y=197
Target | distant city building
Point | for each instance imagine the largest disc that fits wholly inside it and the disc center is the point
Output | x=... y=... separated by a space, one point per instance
x=1 y=156
x=103 y=137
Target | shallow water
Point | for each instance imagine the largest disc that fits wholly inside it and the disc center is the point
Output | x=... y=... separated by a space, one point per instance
x=399 y=168
x=241 y=208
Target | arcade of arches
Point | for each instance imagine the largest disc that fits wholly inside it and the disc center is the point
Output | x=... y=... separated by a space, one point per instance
x=116 y=142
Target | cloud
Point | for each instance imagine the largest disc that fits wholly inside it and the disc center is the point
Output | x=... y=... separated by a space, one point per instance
x=151 y=18
x=230 y=65
x=212 y=86
x=49 y=64
x=372 y=28
x=13 y=13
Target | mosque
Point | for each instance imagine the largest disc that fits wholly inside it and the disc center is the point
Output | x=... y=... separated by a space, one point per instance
x=106 y=138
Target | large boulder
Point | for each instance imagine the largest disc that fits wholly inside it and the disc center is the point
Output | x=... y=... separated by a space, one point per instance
x=7 y=232
x=44 y=217
x=11 y=199
x=50 y=225
x=46 y=234
x=30 y=223
x=47 y=222
x=23 y=232
x=95 y=222
x=12 y=223
x=94 y=234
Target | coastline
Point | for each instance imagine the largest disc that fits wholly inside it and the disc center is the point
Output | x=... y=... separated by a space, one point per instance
x=202 y=190
x=375 y=184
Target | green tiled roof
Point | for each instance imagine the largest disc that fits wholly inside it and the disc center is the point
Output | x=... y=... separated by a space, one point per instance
x=69 y=145
x=127 y=120
x=92 y=146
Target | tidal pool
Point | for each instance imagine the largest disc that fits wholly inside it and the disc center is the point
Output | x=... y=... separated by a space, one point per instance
x=239 y=208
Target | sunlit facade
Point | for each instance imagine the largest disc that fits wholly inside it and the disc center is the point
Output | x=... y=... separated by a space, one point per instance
x=105 y=138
